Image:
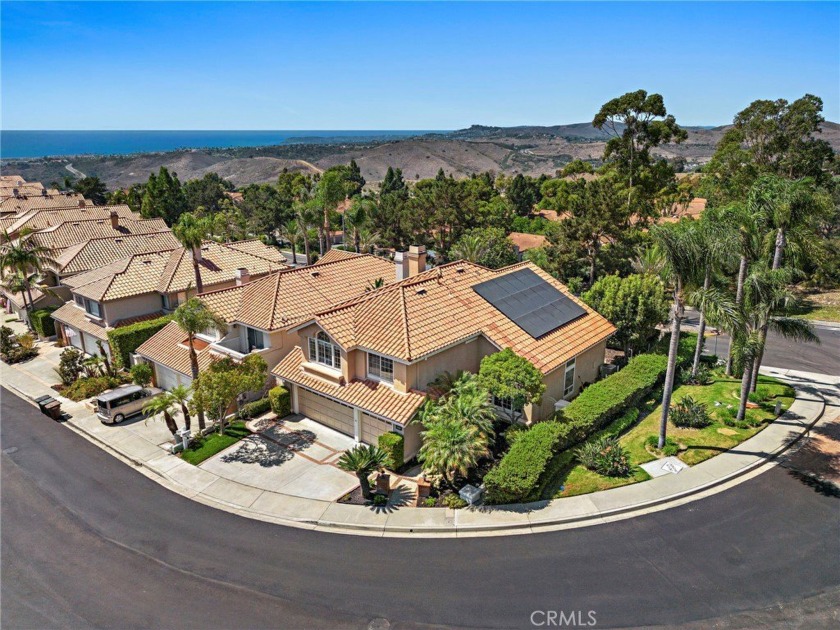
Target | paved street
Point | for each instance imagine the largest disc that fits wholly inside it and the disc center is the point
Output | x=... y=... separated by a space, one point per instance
x=86 y=541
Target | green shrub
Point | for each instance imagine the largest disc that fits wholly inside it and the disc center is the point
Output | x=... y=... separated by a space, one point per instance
x=429 y=502
x=703 y=376
x=125 y=340
x=255 y=408
x=380 y=500
x=394 y=445
x=42 y=321
x=16 y=348
x=670 y=448
x=514 y=432
x=689 y=413
x=141 y=374
x=599 y=403
x=605 y=456
x=280 y=401
x=70 y=365
x=92 y=386
x=685 y=350
x=454 y=501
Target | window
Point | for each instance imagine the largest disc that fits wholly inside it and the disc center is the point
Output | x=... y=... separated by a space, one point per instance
x=322 y=350
x=80 y=301
x=93 y=308
x=505 y=403
x=569 y=382
x=255 y=339
x=169 y=303
x=380 y=368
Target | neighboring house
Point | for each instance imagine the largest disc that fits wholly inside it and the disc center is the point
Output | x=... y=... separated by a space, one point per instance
x=363 y=367
x=45 y=218
x=260 y=314
x=67 y=233
x=147 y=285
x=22 y=204
x=523 y=242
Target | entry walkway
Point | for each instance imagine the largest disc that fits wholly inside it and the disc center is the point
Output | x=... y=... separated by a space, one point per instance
x=206 y=486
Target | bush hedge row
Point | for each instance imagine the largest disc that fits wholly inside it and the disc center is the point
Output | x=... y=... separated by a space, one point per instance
x=255 y=408
x=394 y=445
x=280 y=401
x=526 y=469
x=42 y=321
x=125 y=340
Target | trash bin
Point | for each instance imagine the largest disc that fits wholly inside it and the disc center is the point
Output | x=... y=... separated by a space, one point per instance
x=43 y=401
x=53 y=410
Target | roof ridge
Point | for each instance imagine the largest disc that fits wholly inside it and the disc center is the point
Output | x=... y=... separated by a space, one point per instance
x=405 y=322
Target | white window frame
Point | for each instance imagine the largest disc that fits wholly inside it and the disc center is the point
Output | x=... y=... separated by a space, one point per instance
x=98 y=314
x=322 y=350
x=375 y=364
x=258 y=334
x=505 y=404
x=569 y=378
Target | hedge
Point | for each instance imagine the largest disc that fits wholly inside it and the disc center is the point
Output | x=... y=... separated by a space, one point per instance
x=685 y=350
x=393 y=444
x=125 y=340
x=526 y=468
x=280 y=401
x=254 y=408
x=42 y=321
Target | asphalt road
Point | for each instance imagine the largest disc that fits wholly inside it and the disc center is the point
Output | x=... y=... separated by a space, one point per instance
x=823 y=358
x=89 y=542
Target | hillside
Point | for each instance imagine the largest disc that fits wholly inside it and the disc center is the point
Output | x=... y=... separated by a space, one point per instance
x=530 y=150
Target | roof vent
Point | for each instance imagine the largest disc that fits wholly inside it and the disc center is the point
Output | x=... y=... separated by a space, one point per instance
x=147 y=262
x=118 y=240
x=460 y=269
x=315 y=274
x=421 y=291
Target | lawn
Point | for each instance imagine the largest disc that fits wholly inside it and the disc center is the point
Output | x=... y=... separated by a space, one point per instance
x=207 y=446
x=823 y=306
x=696 y=445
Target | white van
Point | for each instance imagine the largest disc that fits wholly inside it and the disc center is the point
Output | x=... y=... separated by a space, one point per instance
x=115 y=405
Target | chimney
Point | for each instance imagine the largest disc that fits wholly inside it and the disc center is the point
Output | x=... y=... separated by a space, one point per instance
x=242 y=276
x=115 y=220
x=196 y=252
x=43 y=192
x=81 y=203
x=416 y=260
x=401 y=263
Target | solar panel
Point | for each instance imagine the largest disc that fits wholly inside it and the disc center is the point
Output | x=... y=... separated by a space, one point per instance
x=530 y=302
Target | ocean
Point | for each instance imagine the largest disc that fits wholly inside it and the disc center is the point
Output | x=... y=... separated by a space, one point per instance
x=34 y=144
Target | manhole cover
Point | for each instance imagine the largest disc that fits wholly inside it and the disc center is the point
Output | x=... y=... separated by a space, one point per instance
x=379 y=623
x=10 y=450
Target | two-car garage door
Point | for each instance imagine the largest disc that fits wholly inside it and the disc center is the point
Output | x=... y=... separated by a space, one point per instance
x=326 y=411
x=167 y=378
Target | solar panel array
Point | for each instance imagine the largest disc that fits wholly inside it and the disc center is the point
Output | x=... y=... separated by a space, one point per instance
x=530 y=302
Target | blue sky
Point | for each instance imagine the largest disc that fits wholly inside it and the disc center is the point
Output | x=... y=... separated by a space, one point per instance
x=193 y=65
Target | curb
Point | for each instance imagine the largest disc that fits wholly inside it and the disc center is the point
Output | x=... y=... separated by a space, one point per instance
x=454 y=529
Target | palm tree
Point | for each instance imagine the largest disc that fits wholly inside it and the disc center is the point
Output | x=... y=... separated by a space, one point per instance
x=181 y=396
x=190 y=231
x=194 y=317
x=357 y=217
x=368 y=240
x=363 y=460
x=24 y=259
x=306 y=218
x=648 y=262
x=290 y=233
x=445 y=382
x=470 y=404
x=93 y=365
x=373 y=285
x=765 y=300
x=678 y=243
x=451 y=446
x=470 y=247
x=162 y=405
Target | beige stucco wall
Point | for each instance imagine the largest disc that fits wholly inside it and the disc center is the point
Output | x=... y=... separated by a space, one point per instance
x=464 y=356
x=131 y=307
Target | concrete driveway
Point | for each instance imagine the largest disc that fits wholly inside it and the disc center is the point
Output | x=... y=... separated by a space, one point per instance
x=294 y=456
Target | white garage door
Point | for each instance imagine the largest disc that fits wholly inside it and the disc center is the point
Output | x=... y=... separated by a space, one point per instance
x=75 y=338
x=167 y=378
x=372 y=428
x=326 y=411
x=90 y=345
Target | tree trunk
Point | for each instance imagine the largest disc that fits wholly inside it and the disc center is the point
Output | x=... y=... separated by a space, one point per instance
x=321 y=240
x=199 y=287
x=358 y=237
x=593 y=263
x=745 y=389
x=294 y=252
x=327 y=243
x=194 y=370
x=365 y=484
x=170 y=423
x=739 y=298
x=780 y=248
x=670 y=375
x=186 y=413
x=758 y=359
x=306 y=248
x=701 y=327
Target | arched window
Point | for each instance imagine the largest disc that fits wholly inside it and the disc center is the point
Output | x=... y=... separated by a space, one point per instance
x=323 y=350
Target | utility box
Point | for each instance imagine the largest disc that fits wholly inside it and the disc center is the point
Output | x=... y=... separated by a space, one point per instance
x=471 y=494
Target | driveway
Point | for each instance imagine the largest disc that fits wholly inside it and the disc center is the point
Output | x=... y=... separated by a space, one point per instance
x=294 y=456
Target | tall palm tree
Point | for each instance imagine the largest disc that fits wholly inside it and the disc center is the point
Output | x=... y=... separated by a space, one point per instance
x=181 y=396
x=470 y=404
x=357 y=217
x=194 y=317
x=368 y=239
x=191 y=231
x=290 y=233
x=25 y=259
x=307 y=217
x=679 y=245
x=765 y=300
x=470 y=247
x=162 y=405
x=362 y=460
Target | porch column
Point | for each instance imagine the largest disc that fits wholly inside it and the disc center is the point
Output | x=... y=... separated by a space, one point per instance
x=357 y=425
x=295 y=399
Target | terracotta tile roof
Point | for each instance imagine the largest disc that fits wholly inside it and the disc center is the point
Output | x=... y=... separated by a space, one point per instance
x=98 y=252
x=334 y=255
x=288 y=297
x=70 y=233
x=18 y=299
x=76 y=317
x=168 y=347
x=235 y=197
x=32 y=202
x=433 y=310
x=42 y=218
x=256 y=247
x=693 y=209
x=524 y=241
x=371 y=396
